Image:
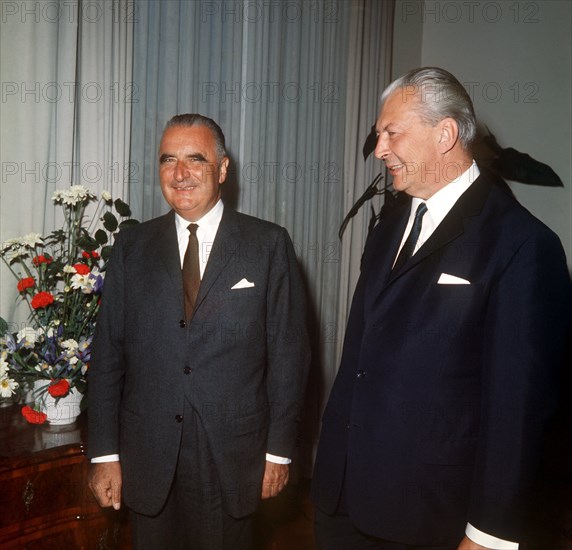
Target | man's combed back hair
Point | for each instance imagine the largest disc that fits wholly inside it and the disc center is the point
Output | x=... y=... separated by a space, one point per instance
x=441 y=96
x=194 y=119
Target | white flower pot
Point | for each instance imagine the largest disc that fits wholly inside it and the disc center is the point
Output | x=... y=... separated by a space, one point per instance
x=64 y=411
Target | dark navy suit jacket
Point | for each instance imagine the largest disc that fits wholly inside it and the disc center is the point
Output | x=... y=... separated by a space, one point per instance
x=438 y=411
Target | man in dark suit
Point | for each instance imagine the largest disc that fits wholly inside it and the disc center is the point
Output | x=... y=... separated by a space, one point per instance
x=450 y=368
x=199 y=359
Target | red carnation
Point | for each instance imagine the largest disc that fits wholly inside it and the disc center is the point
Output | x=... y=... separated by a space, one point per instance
x=82 y=269
x=42 y=299
x=59 y=388
x=26 y=282
x=85 y=255
x=41 y=260
x=33 y=416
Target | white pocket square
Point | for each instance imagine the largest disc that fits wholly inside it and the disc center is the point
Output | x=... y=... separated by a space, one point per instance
x=243 y=283
x=447 y=279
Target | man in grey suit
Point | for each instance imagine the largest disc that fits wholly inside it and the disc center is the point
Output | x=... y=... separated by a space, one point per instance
x=196 y=385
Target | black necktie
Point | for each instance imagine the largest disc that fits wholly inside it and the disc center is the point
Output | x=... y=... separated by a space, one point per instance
x=409 y=245
x=191 y=271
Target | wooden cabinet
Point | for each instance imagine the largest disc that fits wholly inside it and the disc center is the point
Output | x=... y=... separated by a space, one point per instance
x=45 y=502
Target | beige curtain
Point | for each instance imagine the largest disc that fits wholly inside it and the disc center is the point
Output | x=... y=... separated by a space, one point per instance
x=66 y=80
x=295 y=87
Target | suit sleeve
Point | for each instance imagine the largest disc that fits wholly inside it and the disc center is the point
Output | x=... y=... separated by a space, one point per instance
x=288 y=350
x=106 y=372
x=525 y=329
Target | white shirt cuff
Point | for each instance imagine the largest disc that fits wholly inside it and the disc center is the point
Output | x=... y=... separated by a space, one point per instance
x=106 y=458
x=115 y=458
x=277 y=459
x=489 y=541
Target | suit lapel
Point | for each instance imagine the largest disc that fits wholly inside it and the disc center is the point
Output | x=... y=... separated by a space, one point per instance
x=385 y=245
x=164 y=245
x=469 y=204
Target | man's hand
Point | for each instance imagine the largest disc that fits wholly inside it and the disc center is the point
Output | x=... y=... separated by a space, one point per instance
x=275 y=479
x=105 y=483
x=468 y=544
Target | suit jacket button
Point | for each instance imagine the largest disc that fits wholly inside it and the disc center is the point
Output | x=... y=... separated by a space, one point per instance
x=360 y=374
x=187 y=370
x=182 y=323
x=179 y=418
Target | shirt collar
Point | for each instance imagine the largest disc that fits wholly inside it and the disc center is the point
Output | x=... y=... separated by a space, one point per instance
x=210 y=221
x=440 y=203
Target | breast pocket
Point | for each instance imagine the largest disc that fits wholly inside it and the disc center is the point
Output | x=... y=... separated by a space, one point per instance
x=245 y=293
x=458 y=303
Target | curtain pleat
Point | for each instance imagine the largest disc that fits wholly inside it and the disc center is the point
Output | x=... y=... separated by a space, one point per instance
x=285 y=82
x=65 y=109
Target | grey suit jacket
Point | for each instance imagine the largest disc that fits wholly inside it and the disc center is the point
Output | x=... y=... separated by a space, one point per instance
x=240 y=363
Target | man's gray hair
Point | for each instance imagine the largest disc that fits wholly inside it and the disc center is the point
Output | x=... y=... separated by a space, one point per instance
x=441 y=96
x=193 y=119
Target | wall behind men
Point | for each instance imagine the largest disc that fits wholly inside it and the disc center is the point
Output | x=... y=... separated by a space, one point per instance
x=514 y=57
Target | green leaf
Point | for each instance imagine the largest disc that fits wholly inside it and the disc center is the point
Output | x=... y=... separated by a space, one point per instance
x=88 y=243
x=83 y=403
x=101 y=236
x=106 y=252
x=122 y=208
x=3 y=327
x=56 y=236
x=109 y=222
x=128 y=223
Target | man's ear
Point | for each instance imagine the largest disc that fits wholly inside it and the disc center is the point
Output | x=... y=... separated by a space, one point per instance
x=223 y=169
x=449 y=134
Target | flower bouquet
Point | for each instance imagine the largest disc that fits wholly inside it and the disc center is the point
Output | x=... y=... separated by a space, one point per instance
x=60 y=277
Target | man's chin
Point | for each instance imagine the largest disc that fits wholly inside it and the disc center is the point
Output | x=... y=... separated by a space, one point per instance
x=399 y=184
x=186 y=212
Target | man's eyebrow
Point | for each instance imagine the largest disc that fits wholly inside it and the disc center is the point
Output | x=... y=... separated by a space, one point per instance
x=197 y=156
x=390 y=126
x=192 y=156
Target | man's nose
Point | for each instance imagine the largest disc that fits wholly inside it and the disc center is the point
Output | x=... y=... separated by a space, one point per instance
x=181 y=171
x=381 y=148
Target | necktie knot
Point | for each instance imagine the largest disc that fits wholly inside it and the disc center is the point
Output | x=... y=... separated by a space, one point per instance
x=192 y=228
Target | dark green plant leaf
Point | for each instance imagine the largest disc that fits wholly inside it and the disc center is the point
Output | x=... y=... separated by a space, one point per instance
x=87 y=243
x=3 y=327
x=83 y=402
x=122 y=208
x=101 y=236
x=57 y=236
x=128 y=223
x=106 y=252
x=109 y=221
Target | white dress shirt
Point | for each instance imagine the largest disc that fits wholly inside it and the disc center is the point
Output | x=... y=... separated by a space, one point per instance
x=206 y=233
x=438 y=207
